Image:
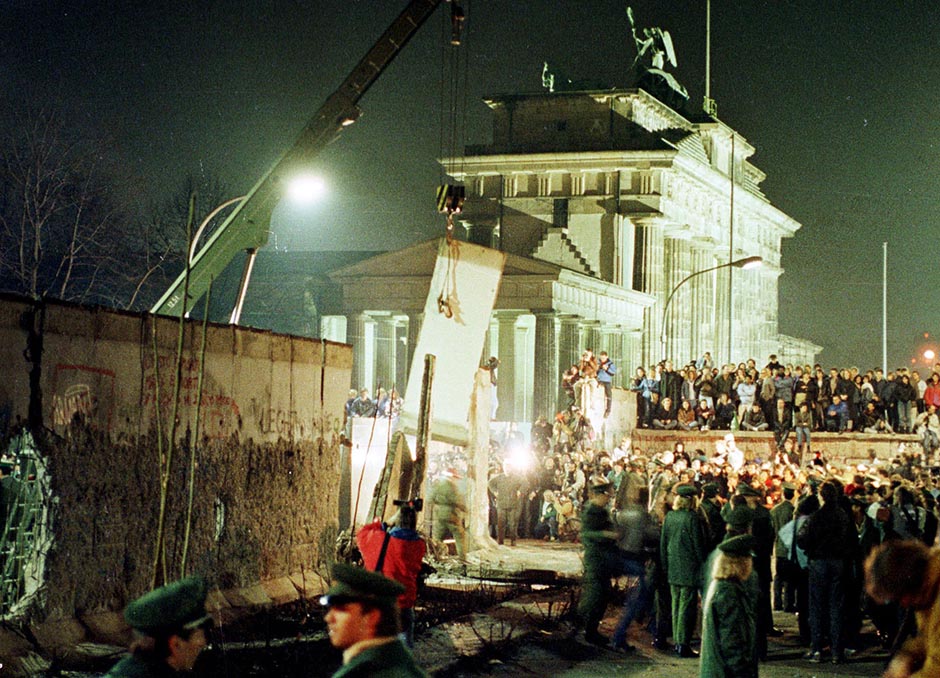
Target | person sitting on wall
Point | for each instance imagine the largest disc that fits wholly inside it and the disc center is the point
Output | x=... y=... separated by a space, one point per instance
x=754 y=419
x=873 y=421
x=363 y=406
x=705 y=414
x=665 y=416
x=837 y=415
x=169 y=626
x=724 y=412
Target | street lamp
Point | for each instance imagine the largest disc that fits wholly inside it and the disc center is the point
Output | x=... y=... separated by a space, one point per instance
x=746 y=262
x=301 y=189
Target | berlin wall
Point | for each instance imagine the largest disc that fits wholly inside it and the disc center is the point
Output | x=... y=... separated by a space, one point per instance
x=266 y=469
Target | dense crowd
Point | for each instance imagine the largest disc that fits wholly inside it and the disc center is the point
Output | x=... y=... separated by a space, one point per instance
x=811 y=525
x=788 y=399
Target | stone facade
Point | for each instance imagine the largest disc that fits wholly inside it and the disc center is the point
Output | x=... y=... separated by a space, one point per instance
x=622 y=189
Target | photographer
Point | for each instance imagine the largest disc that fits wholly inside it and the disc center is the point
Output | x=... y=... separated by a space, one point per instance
x=396 y=549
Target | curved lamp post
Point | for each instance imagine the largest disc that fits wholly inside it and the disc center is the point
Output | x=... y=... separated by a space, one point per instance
x=746 y=262
x=302 y=189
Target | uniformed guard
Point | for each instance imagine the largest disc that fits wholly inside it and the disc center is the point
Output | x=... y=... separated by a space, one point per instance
x=601 y=559
x=363 y=621
x=169 y=626
x=682 y=551
x=729 y=642
x=762 y=529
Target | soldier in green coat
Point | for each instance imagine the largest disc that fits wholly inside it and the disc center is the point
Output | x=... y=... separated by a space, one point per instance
x=682 y=553
x=169 y=630
x=729 y=617
x=599 y=538
x=362 y=618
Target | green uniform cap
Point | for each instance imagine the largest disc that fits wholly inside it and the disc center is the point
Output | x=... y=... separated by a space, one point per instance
x=357 y=583
x=603 y=488
x=789 y=486
x=180 y=606
x=710 y=490
x=742 y=545
x=687 y=490
x=747 y=491
x=740 y=517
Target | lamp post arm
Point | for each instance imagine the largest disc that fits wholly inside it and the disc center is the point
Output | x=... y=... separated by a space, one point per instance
x=247 y=227
x=662 y=327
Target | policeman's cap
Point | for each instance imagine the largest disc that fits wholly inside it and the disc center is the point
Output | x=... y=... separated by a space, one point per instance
x=747 y=491
x=603 y=488
x=687 y=490
x=180 y=606
x=710 y=490
x=742 y=545
x=740 y=517
x=355 y=584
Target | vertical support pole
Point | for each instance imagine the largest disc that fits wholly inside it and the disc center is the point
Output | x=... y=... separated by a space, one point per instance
x=424 y=427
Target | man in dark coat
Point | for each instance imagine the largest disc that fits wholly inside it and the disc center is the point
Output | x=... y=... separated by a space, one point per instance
x=712 y=509
x=682 y=553
x=830 y=540
x=601 y=557
x=763 y=531
x=785 y=577
x=729 y=614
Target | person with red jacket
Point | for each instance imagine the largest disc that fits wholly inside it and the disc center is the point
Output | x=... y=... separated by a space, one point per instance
x=396 y=550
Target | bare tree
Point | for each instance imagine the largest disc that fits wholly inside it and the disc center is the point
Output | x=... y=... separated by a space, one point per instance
x=158 y=245
x=56 y=216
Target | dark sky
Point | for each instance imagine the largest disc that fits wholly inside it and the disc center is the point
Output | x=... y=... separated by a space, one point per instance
x=841 y=99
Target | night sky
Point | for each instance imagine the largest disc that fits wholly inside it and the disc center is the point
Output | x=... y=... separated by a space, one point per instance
x=840 y=98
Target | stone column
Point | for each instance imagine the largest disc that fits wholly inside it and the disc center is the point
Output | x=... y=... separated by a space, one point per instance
x=547 y=368
x=702 y=336
x=569 y=348
x=649 y=277
x=385 y=352
x=612 y=342
x=505 y=376
x=402 y=363
x=356 y=335
x=569 y=340
x=413 y=330
x=591 y=335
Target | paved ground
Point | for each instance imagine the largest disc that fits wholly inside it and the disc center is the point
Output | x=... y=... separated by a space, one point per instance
x=551 y=655
x=524 y=637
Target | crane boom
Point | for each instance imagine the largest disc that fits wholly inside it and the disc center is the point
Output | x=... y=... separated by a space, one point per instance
x=248 y=225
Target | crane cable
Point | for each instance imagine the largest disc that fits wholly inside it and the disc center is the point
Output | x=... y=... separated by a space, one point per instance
x=452 y=130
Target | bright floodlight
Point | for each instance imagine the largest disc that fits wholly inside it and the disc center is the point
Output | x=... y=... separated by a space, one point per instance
x=929 y=354
x=306 y=189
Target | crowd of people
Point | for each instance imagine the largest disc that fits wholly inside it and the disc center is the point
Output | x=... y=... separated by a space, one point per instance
x=788 y=399
x=385 y=404
x=664 y=520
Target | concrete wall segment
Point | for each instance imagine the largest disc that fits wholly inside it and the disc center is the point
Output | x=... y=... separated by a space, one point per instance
x=266 y=464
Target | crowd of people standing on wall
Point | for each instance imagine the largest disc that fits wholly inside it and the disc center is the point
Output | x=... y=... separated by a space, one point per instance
x=385 y=404
x=788 y=399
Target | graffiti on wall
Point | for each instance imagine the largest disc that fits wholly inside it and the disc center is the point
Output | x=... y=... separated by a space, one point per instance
x=84 y=391
x=220 y=415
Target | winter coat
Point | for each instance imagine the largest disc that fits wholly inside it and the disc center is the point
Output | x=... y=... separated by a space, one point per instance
x=682 y=548
x=729 y=630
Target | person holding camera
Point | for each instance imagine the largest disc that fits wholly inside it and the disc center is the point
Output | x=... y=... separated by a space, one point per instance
x=396 y=549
